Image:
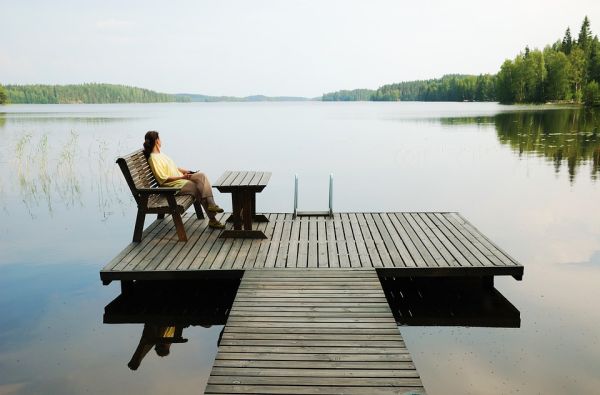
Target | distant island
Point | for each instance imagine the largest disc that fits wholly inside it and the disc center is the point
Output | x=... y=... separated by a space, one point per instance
x=567 y=71
x=191 y=97
x=111 y=93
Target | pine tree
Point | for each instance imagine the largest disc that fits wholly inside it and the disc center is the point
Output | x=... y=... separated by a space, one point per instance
x=594 y=61
x=567 y=42
x=585 y=35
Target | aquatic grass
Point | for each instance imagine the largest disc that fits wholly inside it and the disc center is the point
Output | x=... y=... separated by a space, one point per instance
x=20 y=147
x=109 y=191
x=67 y=181
x=41 y=162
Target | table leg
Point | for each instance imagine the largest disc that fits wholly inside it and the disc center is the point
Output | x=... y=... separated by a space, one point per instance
x=257 y=217
x=247 y=210
x=236 y=201
x=243 y=210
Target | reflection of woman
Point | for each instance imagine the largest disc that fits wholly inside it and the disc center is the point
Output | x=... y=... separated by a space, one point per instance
x=159 y=337
x=169 y=175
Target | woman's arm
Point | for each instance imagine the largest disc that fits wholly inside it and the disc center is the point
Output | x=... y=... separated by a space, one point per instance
x=184 y=171
x=185 y=176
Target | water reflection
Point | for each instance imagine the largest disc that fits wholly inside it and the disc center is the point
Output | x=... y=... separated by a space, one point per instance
x=158 y=337
x=564 y=136
x=50 y=172
x=449 y=301
x=166 y=308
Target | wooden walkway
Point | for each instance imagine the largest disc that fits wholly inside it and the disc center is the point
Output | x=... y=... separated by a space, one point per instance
x=312 y=331
x=401 y=244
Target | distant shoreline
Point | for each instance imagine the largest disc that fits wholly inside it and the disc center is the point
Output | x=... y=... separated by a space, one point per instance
x=96 y=93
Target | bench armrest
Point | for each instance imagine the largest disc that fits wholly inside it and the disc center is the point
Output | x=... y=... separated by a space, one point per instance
x=158 y=191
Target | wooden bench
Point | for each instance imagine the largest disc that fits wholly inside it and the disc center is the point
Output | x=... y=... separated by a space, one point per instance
x=243 y=186
x=151 y=198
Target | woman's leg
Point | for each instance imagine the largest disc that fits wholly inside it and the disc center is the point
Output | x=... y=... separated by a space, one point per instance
x=191 y=188
x=203 y=186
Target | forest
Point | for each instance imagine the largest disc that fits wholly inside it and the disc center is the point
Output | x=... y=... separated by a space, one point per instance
x=3 y=95
x=84 y=93
x=567 y=71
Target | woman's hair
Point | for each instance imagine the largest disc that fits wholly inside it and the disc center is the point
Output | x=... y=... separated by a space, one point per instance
x=149 y=142
x=162 y=349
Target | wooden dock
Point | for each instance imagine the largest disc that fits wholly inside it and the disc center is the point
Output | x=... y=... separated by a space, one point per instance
x=400 y=244
x=312 y=331
x=310 y=316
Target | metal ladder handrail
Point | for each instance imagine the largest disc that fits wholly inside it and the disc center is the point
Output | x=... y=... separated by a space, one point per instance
x=328 y=213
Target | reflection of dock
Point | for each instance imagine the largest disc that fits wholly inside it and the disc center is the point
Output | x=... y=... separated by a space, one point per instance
x=167 y=303
x=445 y=301
x=310 y=315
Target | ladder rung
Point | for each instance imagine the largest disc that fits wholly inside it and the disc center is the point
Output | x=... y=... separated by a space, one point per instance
x=312 y=213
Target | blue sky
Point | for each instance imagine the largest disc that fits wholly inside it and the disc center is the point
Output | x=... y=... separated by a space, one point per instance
x=302 y=48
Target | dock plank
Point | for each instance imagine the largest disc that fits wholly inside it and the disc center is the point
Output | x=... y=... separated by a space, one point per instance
x=337 y=349
x=341 y=240
x=416 y=243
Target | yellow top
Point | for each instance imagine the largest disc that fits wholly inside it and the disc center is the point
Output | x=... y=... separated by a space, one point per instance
x=163 y=167
x=168 y=331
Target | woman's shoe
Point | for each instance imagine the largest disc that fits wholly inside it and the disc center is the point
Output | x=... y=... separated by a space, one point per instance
x=215 y=224
x=213 y=208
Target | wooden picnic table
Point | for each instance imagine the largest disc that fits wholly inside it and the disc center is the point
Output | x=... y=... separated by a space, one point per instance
x=243 y=186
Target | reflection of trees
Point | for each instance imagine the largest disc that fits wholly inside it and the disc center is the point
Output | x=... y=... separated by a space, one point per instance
x=568 y=136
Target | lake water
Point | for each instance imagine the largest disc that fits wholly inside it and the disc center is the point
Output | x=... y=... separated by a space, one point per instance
x=526 y=176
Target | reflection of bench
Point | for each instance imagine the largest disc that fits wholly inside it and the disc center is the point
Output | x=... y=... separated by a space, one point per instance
x=243 y=186
x=151 y=198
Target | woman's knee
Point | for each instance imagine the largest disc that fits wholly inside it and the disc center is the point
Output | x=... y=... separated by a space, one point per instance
x=188 y=189
x=199 y=176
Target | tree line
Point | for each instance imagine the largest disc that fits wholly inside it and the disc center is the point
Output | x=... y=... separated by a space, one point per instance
x=83 y=93
x=566 y=71
x=3 y=95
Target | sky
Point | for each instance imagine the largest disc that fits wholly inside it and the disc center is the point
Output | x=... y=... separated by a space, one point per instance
x=280 y=47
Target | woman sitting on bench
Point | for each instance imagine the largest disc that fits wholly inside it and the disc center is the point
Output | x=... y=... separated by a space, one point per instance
x=191 y=183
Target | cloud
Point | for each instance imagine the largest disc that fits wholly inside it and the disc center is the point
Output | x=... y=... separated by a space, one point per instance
x=113 y=23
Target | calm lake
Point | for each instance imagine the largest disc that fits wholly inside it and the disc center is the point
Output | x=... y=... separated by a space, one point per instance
x=526 y=176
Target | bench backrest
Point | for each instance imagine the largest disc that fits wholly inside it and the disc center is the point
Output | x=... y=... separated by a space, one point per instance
x=137 y=172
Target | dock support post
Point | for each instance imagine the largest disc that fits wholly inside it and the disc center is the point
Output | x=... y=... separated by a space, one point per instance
x=331 y=195
x=126 y=287
x=487 y=282
x=295 y=196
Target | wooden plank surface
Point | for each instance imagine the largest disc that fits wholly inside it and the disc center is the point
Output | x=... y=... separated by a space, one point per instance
x=412 y=243
x=293 y=348
x=233 y=179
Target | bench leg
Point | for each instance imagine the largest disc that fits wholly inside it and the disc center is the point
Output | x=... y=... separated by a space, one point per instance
x=139 y=226
x=179 y=226
x=177 y=218
x=198 y=208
